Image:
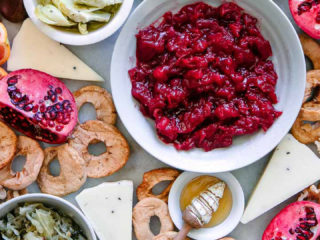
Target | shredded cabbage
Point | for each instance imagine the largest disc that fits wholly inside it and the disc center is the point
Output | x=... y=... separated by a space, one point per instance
x=37 y=222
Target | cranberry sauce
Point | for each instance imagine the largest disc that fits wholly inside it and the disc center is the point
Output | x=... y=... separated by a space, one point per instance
x=204 y=76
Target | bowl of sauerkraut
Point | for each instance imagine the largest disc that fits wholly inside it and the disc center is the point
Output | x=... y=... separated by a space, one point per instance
x=42 y=216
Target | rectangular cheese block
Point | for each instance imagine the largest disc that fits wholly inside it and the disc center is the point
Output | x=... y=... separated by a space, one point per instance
x=33 y=49
x=108 y=207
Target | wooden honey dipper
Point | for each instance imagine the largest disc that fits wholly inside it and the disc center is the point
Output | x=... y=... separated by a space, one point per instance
x=199 y=212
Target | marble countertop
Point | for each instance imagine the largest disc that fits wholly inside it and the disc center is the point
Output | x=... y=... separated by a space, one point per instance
x=98 y=56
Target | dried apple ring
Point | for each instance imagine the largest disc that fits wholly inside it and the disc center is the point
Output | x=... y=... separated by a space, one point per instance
x=143 y=211
x=305 y=132
x=8 y=145
x=107 y=163
x=310 y=111
x=313 y=82
x=13 y=194
x=311 y=49
x=34 y=159
x=72 y=171
x=152 y=178
x=101 y=100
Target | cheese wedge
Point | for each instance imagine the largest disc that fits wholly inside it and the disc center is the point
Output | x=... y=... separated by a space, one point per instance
x=33 y=49
x=108 y=207
x=292 y=167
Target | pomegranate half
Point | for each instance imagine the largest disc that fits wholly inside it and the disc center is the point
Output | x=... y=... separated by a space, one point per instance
x=306 y=13
x=297 y=221
x=38 y=105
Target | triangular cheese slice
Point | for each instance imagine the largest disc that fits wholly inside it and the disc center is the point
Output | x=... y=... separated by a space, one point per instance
x=33 y=49
x=292 y=167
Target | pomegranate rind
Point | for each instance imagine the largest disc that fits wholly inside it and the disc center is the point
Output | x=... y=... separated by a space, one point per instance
x=35 y=85
x=288 y=218
x=8 y=145
x=306 y=21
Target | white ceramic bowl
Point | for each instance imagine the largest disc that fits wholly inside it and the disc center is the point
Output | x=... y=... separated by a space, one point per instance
x=289 y=63
x=223 y=228
x=55 y=202
x=76 y=38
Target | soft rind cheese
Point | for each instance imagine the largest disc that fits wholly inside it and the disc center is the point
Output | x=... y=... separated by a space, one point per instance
x=33 y=49
x=108 y=207
x=292 y=167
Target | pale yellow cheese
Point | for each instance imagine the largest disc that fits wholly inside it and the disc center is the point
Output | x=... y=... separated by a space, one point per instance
x=108 y=207
x=33 y=49
x=292 y=167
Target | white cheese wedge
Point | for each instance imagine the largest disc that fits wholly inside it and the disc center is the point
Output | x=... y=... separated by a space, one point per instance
x=33 y=49
x=292 y=167
x=108 y=207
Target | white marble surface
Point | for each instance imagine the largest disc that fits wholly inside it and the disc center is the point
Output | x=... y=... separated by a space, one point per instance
x=98 y=56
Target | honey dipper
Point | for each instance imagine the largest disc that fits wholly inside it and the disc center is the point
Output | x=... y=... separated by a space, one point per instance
x=199 y=212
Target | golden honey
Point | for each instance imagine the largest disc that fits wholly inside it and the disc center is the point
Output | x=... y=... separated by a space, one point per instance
x=199 y=184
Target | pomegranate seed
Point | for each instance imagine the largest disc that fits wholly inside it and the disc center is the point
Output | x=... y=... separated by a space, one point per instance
x=53 y=98
x=309 y=209
x=58 y=90
x=318 y=17
x=11 y=88
x=38 y=116
x=16 y=96
x=28 y=107
x=66 y=103
x=59 y=118
x=42 y=108
x=53 y=115
x=58 y=107
x=300 y=237
x=66 y=121
x=59 y=128
x=50 y=93
x=51 y=123
x=44 y=122
x=12 y=80
x=69 y=109
x=304 y=7
x=35 y=108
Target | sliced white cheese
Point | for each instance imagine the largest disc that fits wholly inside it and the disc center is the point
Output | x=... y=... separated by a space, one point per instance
x=292 y=167
x=33 y=49
x=108 y=207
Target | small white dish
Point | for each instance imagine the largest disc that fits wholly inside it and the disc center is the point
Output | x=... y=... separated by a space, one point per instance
x=223 y=228
x=76 y=38
x=289 y=62
x=55 y=202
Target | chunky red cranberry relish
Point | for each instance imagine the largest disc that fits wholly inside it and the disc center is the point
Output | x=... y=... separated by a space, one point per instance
x=204 y=76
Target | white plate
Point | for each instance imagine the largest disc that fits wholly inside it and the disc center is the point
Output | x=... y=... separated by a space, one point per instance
x=289 y=63
x=76 y=38
x=223 y=228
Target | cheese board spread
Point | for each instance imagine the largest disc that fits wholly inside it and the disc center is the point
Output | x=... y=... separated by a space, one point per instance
x=134 y=136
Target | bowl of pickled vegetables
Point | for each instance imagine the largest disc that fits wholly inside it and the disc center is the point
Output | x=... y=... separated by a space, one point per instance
x=42 y=216
x=78 y=22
